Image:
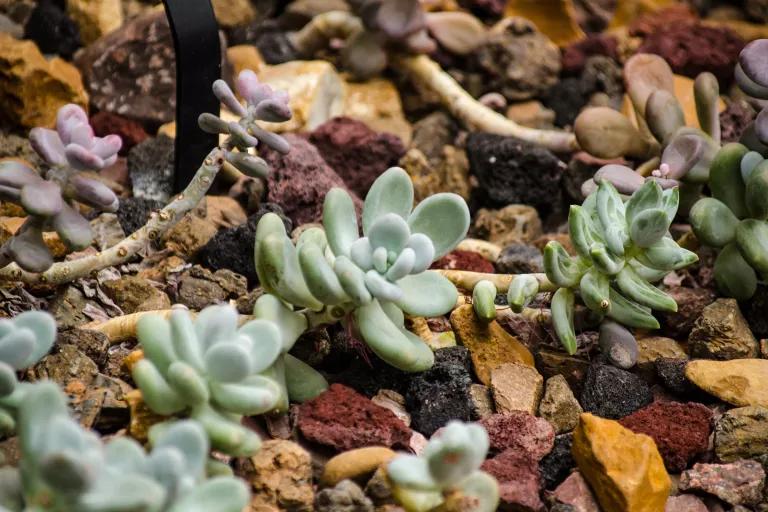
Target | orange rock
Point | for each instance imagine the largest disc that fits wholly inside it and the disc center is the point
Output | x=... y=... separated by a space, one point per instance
x=489 y=344
x=739 y=382
x=556 y=19
x=33 y=88
x=624 y=469
x=244 y=56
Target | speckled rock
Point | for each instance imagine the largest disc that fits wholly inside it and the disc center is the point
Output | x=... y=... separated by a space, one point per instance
x=231 y=13
x=742 y=433
x=681 y=431
x=737 y=483
x=346 y=496
x=510 y=171
x=521 y=432
x=671 y=373
x=140 y=52
x=558 y=463
x=198 y=287
x=514 y=223
x=482 y=402
x=432 y=133
x=623 y=468
x=559 y=406
x=611 y=392
x=690 y=305
x=35 y=88
x=301 y=198
x=134 y=212
x=343 y=419
x=519 y=61
x=355 y=464
x=357 y=153
x=442 y=393
x=685 y=503
x=52 y=29
x=721 y=332
x=489 y=344
x=133 y=294
x=738 y=114
x=281 y=477
x=150 y=165
x=232 y=248
x=519 y=480
x=516 y=387
x=518 y=258
x=653 y=348
x=566 y=98
x=739 y=382
x=575 y=491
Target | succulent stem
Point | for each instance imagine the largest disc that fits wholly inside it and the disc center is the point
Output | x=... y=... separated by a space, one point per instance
x=316 y=34
x=158 y=224
x=467 y=280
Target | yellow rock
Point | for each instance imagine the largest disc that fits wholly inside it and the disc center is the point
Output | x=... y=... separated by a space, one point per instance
x=556 y=19
x=142 y=418
x=377 y=104
x=489 y=344
x=355 y=463
x=95 y=18
x=244 y=56
x=740 y=382
x=33 y=89
x=230 y=13
x=624 y=469
x=317 y=92
x=627 y=10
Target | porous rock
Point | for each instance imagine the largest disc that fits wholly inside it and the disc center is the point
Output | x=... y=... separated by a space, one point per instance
x=520 y=432
x=520 y=258
x=515 y=223
x=613 y=393
x=95 y=18
x=346 y=496
x=150 y=165
x=281 y=477
x=52 y=29
x=463 y=260
x=575 y=491
x=519 y=480
x=133 y=294
x=129 y=131
x=558 y=463
x=134 y=212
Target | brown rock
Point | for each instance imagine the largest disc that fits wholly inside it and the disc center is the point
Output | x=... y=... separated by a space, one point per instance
x=489 y=344
x=511 y=224
x=742 y=433
x=244 y=56
x=520 y=432
x=482 y=402
x=33 y=89
x=519 y=480
x=190 y=235
x=721 y=332
x=464 y=260
x=575 y=491
x=133 y=294
x=556 y=19
x=516 y=387
x=95 y=18
x=652 y=348
x=739 y=382
x=281 y=477
x=559 y=406
x=355 y=464
x=230 y=13
x=448 y=172
x=685 y=503
x=623 y=468
x=142 y=417
x=376 y=102
x=199 y=287
x=224 y=211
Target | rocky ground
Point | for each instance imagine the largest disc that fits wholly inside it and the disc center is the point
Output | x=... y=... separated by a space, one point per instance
x=698 y=395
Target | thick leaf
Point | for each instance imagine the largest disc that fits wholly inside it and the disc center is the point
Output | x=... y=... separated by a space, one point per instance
x=734 y=276
x=229 y=361
x=340 y=221
x=290 y=323
x=392 y=192
x=254 y=395
x=303 y=382
x=157 y=393
x=226 y=434
x=411 y=472
x=267 y=343
x=72 y=228
x=444 y=218
x=220 y=494
x=458 y=32
x=364 y=55
x=43 y=325
x=389 y=231
x=427 y=294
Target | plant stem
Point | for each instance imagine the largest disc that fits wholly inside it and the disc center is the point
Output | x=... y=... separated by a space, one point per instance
x=158 y=224
x=467 y=280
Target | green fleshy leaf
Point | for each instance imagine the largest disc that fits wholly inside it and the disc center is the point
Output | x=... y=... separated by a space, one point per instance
x=427 y=294
x=444 y=218
x=392 y=192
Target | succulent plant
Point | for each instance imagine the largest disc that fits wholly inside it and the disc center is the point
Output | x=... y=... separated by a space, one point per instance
x=64 y=467
x=374 y=279
x=211 y=370
x=752 y=77
x=447 y=471
x=24 y=340
x=734 y=219
x=484 y=300
x=261 y=104
x=622 y=249
x=684 y=153
x=49 y=200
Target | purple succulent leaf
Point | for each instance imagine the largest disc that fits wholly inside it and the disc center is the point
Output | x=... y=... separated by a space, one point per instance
x=212 y=124
x=72 y=228
x=241 y=137
x=272 y=140
x=364 y=54
x=28 y=249
x=420 y=42
x=42 y=198
x=68 y=120
x=10 y=194
x=107 y=147
x=747 y=85
x=681 y=154
x=225 y=95
x=272 y=110
x=249 y=87
x=665 y=183
x=80 y=134
x=48 y=145
x=625 y=180
x=754 y=61
x=82 y=159
x=16 y=174
x=248 y=164
x=94 y=193
x=398 y=19
x=761 y=126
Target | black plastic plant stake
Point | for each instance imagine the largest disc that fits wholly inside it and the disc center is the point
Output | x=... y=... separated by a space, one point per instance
x=198 y=64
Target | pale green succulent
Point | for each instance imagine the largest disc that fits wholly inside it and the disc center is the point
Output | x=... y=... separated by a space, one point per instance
x=449 y=465
x=65 y=468
x=484 y=300
x=373 y=279
x=24 y=340
x=211 y=370
x=622 y=249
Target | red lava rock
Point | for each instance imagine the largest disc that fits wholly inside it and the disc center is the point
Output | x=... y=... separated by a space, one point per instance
x=576 y=54
x=464 y=260
x=690 y=303
x=681 y=431
x=519 y=480
x=132 y=133
x=646 y=24
x=693 y=48
x=357 y=153
x=300 y=180
x=738 y=483
x=521 y=432
x=345 y=420
x=575 y=491
x=734 y=120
